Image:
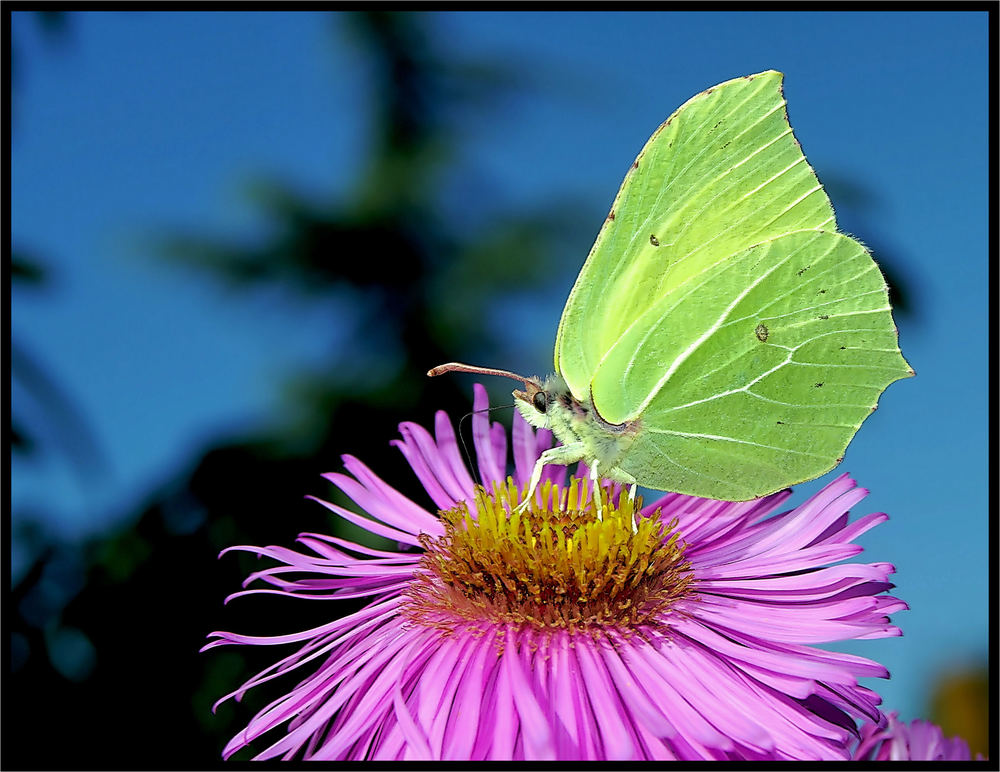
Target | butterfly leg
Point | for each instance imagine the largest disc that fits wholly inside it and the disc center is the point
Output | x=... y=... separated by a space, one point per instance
x=596 y=494
x=619 y=474
x=561 y=454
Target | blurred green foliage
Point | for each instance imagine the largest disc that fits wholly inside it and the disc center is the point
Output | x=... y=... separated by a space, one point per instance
x=959 y=704
x=149 y=593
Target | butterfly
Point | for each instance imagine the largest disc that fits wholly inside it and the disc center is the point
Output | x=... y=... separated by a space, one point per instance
x=722 y=339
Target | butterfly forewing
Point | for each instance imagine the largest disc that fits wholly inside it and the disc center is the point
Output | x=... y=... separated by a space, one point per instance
x=720 y=175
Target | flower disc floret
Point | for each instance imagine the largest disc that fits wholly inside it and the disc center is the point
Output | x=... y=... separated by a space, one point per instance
x=553 y=565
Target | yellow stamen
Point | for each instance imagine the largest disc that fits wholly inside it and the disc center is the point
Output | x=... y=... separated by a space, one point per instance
x=553 y=565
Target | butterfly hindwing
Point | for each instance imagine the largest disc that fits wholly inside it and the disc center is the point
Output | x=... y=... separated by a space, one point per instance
x=773 y=382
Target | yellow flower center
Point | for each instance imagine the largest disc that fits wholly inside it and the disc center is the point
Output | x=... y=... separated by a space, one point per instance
x=554 y=565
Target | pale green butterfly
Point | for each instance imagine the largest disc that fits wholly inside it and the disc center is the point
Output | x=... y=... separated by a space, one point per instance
x=722 y=340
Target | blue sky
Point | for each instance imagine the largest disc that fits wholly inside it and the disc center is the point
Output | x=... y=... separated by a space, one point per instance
x=146 y=120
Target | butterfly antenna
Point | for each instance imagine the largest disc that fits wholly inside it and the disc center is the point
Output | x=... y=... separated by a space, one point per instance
x=458 y=367
x=465 y=448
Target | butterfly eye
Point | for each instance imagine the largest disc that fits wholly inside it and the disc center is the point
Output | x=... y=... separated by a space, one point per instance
x=539 y=401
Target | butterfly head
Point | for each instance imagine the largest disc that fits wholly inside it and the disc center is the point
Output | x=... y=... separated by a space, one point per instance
x=534 y=402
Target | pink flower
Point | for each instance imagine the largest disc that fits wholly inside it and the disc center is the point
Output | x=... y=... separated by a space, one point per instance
x=917 y=741
x=686 y=632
